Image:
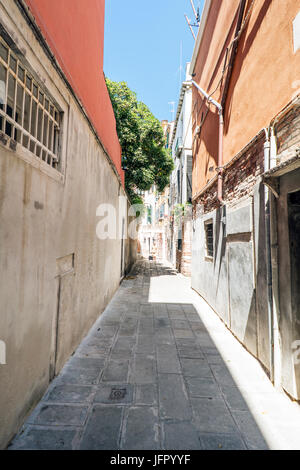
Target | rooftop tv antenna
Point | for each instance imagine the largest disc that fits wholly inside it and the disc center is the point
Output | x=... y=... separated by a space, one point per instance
x=172 y=109
x=190 y=26
x=197 y=19
x=197 y=14
x=180 y=68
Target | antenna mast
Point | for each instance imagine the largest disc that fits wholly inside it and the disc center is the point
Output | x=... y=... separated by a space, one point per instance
x=194 y=10
x=172 y=109
x=188 y=22
x=197 y=18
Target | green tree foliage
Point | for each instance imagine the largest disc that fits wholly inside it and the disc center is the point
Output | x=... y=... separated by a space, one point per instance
x=142 y=141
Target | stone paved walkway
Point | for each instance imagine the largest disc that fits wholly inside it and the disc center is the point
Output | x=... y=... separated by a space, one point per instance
x=154 y=374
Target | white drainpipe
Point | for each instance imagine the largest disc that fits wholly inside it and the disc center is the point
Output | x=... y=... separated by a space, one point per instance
x=273 y=148
x=267 y=148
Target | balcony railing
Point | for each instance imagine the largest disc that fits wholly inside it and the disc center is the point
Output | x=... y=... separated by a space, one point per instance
x=179 y=146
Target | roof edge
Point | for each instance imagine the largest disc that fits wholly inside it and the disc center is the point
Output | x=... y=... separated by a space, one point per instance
x=202 y=25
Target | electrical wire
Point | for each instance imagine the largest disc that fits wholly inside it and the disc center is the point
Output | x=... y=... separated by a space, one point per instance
x=225 y=66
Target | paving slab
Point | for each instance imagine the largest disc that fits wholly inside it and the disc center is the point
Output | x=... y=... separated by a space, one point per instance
x=145 y=345
x=248 y=427
x=212 y=415
x=218 y=441
x=61 y=415
x=195 y=368
x=183 y=333
x=167 y=359
x=190 y=352
x=116 y=370
x=38 y=438
x=86 y=363
x=68 y=393
x=141 y=429
x=173 y=397
x=146 y=394
x=103 y=428
x=203 y=387
x=181 y=436
x=80 y=376
x=144 y=369
x=180 y=324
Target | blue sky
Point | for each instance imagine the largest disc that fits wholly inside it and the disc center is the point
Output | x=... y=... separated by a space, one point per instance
x=142 y=47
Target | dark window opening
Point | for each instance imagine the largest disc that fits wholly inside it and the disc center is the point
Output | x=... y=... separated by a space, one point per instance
x=209 y=239
x=294 y=239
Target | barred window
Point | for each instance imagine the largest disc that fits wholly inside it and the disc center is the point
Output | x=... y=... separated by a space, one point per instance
x=209 y=239
x=27 y=113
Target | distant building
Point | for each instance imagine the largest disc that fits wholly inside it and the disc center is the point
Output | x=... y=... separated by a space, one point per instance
x=152 y=232
x=154 y=227
x=246 y=176
x=181 y=180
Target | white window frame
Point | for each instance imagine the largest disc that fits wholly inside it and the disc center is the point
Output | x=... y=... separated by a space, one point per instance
x=208 y=256
x=50 y=158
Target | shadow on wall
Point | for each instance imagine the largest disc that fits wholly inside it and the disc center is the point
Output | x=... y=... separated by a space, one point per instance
x=246 y=312
x=220 y=238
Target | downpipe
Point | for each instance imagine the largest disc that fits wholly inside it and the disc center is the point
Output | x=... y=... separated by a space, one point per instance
x=219 y=168
x=267 y=154
x=220 y=157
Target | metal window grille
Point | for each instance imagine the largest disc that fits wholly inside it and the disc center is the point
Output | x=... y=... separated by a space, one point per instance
x=27 y=114
x=209 y=239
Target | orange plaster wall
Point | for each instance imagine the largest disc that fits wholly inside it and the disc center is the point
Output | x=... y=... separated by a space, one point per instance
x=74 y=30
x=266 y=77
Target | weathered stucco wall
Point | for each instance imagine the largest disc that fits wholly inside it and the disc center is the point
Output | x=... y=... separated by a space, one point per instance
x=56 y=276
x=263 y=91
x=265 y=77
x=233 y=282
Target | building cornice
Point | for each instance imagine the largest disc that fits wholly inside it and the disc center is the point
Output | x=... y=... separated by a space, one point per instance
x=199 y=38
x=184 y=87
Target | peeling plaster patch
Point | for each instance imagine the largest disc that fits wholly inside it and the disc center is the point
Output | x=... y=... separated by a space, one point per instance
x=3 y=138
x=38 y=205
x=13 y=145
x=296 y=86
x=296 y=32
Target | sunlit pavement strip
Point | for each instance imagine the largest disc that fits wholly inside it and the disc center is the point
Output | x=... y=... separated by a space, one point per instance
x=155 y=374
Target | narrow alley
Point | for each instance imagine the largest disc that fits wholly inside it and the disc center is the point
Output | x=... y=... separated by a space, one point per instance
x=159 y=370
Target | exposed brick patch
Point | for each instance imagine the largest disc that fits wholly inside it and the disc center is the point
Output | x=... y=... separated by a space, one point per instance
x=239 y=178
x=186 y=256
x=245 y=171
x=288 y=134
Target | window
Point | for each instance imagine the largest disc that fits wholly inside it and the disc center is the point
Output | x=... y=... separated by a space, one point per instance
x=162 y=211
x=27 y=115
x=149 y=215
x=209 y=239
x=178 y=186
x=179 y=240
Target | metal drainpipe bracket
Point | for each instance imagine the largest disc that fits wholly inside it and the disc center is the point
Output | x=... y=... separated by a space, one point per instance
x=220 y=169
x=273 y=185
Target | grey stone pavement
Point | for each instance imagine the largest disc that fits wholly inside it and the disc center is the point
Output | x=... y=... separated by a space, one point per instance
x=159 y=370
